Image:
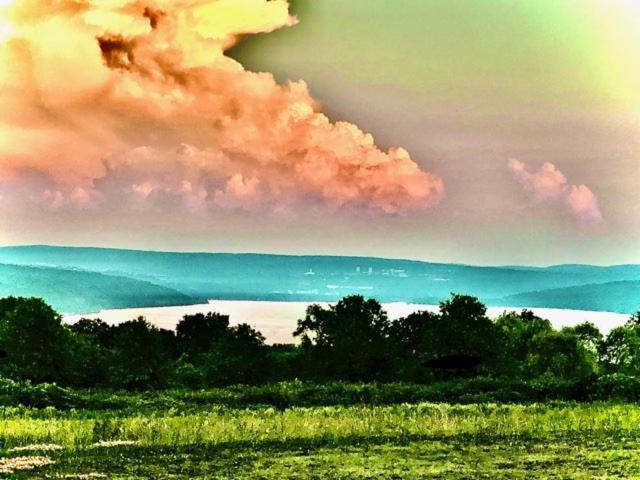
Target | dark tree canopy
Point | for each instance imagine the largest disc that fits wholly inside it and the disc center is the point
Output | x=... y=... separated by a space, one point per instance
x=415 y=333
x=95 y=329
x=141 y=359
x=464 y=328
x=590 y=337
x=353 y=340
x=619 y=352
x=197 y=333
x=349 y=338
x=33 y=339
x=239 y=356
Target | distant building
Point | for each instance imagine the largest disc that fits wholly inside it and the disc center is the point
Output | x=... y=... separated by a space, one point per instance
x=394 y=272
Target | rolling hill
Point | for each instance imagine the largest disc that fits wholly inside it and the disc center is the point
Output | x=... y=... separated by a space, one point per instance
x=188 y=276
x=82 y=291
x=623 y=297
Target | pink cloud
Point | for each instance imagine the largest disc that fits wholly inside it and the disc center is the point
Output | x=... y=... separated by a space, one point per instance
x=239 y=192
x=583 y=202
x=548 y=184
x=148 y=111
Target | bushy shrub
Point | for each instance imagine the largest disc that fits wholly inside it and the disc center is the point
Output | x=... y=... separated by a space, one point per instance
x=186 y=375
x=617 y=386
x=25 y=393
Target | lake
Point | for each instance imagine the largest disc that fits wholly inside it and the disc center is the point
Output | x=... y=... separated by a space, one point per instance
x=277 y=320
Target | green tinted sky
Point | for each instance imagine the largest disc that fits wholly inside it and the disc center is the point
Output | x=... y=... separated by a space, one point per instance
x=571 y=51
x=465 y=85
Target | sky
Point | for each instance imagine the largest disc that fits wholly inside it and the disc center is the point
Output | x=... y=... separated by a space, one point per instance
x=473 y=131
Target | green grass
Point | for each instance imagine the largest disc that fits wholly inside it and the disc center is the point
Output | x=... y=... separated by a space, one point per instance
x=309 y=394
x=426 y=440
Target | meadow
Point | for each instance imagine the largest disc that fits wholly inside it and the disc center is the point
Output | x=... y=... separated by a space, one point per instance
x=452 y=394
x=188 y=438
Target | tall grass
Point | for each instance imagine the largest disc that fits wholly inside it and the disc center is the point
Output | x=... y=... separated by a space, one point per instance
x=324 y=425
x=617 y=387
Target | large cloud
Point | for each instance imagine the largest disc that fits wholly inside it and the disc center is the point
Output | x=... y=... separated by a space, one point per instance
x=133 y=104
x=548 y=184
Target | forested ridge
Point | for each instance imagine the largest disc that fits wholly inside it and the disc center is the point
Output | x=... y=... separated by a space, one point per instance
x=79 y=280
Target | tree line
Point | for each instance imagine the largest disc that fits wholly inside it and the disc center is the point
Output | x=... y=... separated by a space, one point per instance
x=353 y=340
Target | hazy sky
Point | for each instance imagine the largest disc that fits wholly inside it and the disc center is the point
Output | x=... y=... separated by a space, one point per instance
x=503 y=132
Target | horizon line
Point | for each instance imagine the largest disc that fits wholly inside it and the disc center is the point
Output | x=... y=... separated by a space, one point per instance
x=321 y=255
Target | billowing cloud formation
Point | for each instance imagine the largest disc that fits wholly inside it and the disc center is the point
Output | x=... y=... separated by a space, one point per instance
x=548 y=184
x=134 y=103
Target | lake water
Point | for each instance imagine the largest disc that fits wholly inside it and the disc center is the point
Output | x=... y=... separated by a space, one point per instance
x=277 y=320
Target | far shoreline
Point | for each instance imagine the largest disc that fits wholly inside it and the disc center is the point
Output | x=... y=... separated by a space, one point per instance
x=276 y=319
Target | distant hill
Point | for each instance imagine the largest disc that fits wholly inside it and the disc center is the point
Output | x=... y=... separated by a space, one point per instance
x=623 y=297
x=327 y=278
x=81 y=291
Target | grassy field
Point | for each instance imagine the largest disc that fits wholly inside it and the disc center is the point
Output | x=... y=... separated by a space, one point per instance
x=425 y=440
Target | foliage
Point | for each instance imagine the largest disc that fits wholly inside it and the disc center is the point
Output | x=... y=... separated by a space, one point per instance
x=464 y=327
x=33 y=339
x=197 y=333
x=240 y=356
x=347 y=340
x=141 y=359
x=40 y=395
x=353 y=340
x=284 y=395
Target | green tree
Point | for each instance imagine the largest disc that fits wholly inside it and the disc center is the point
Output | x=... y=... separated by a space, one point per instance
x=560 y=355
x=516 y=334
x=197 y=333
x=413 y=339
x=139 y=357
x=34 y=340
x=239 y=356
x=97 y=330
x=634 y=320
x=286 y=362
x=619 y=352
x=589 y=335
x=348 y=340
x=415 y=333
x=464 y=328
